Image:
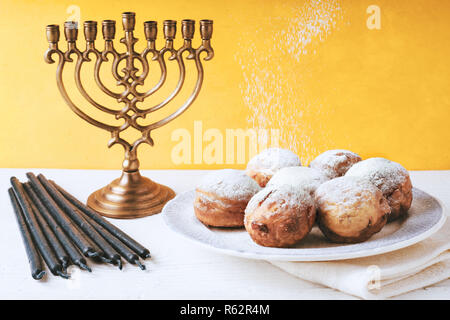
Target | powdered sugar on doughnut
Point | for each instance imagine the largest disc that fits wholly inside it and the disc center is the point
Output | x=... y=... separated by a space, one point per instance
x=284 y=196
x=229 y=183
x=300 y=177
x=387 y=175
x=335 y=163
x=345 y=190
x=271 y=160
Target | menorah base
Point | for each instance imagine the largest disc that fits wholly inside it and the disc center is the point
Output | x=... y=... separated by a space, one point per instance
x=130 y=196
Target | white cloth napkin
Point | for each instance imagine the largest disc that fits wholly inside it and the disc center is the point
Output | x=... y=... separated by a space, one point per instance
x=385 y=275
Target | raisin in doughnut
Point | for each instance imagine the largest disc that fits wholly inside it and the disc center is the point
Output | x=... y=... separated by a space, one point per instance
x=350 y=209
x=264 y=165
x=334 y=163
x=391 y=178
x=222 y=196
x=280 y=216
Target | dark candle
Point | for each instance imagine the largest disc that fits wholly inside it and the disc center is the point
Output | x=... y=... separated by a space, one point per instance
x=39 y=238
x=34 y=259
x=60 y=253
x=71 y=249
x=81 y=222
x=119 y=234
x=79 y=239
x=123 y=250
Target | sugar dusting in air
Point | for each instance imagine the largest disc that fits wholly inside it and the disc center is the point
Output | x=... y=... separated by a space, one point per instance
x=274 y=76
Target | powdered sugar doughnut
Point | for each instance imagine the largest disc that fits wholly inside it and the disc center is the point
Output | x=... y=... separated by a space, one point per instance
x=264 y=165
x=280 y=216
x=350 y=209
x=299 y=177
x=335 y=163
x=391 y=178
x=222 y=196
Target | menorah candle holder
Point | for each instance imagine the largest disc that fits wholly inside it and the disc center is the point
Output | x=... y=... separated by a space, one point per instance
x=131 y=195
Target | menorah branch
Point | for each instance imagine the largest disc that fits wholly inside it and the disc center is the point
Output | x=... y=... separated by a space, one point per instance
x=84 y=57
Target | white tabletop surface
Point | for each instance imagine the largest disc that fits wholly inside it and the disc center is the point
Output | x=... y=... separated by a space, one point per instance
x=178 y=269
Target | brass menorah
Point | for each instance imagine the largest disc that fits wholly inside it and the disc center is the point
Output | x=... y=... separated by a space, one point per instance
x=131 y=195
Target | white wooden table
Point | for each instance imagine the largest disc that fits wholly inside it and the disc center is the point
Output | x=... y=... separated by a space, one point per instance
x=178 y=269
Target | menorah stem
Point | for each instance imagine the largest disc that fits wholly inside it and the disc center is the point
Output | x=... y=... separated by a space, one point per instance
x=131 y=162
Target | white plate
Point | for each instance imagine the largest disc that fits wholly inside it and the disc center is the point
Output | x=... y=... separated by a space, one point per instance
x=425 y=217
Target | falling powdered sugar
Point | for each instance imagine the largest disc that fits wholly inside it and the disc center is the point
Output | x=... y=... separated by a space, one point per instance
x=310 y=26
x=274 y=72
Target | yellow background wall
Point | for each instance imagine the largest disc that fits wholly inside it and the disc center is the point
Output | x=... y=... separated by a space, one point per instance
x=312 y=69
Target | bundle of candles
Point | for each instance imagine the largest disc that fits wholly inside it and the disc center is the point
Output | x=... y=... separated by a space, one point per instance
x=61 y=230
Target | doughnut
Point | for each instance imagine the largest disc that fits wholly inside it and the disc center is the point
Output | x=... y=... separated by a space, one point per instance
x=391 y=178
x=222 y=196
x=334 y=163
x=264 y=165
x=280 y=215
x=299 y=177
x=350 y=209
